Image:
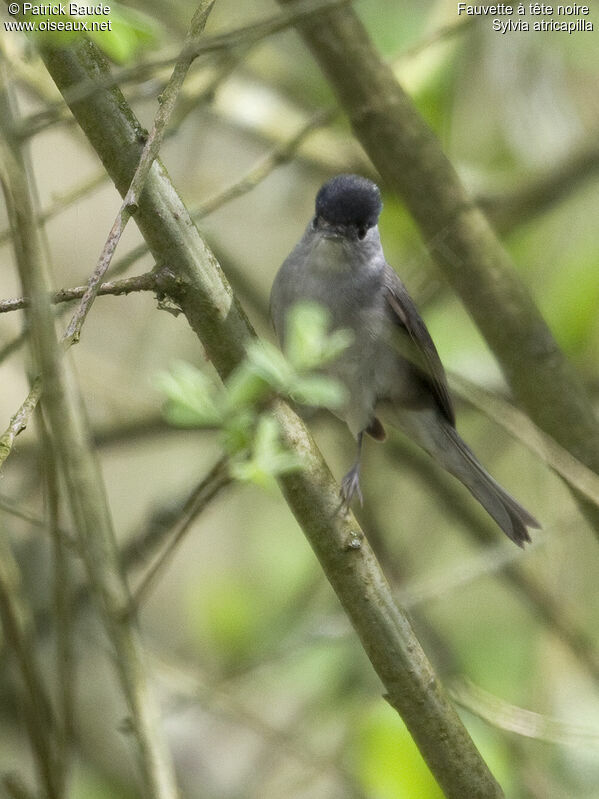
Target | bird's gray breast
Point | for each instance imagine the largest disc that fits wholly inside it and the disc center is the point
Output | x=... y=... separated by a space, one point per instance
x=352 y=293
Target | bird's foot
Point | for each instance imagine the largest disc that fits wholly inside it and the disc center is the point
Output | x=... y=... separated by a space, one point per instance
x=350 y=486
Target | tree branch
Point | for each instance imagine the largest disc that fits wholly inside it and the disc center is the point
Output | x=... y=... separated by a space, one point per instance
x=559 y=618
x=201 y=291
x=238 y=37
x=520 y=721
x=512 y=419
x=145 y=282
x=20 y=420
x=146 y=159
x=37 y=710
x=508 y=210
x=68 y=198
x=410 y=160
x=83 y=481
x=217 y=478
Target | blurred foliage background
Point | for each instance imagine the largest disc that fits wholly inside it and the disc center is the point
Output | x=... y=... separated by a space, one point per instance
x=264 y=688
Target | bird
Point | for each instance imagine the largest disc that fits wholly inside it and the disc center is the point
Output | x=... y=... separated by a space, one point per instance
x=391 y=370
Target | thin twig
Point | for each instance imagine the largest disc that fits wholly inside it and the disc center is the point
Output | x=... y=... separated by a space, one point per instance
x=62 y=590
x=116 y=288
x=238 y=37
x=82 y=479
x=188 y=686
x=282 y=153
x=436 y=36
x=553 y=609
x=186 y=106
x=165 y=525
x=512 y=208
x=150 y=152
x=200 y=290
x=20 y=420
x=216 y=479
x=411 y=162
x=13 y=345
x=519 y=720
x=36 y=705
x=465 y=572
x=8 y=506
x=18 y=341
x=64 y=201
x=518 y=424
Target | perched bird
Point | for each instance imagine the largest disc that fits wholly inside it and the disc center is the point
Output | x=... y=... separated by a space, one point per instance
x=392 y=371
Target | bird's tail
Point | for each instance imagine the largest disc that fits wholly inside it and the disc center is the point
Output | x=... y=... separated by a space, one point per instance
x=509 y=514
x=442 y=441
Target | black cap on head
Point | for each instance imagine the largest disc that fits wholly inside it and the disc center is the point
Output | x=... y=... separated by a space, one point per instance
x=349 y=200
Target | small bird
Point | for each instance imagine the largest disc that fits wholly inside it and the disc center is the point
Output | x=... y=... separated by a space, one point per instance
x=391 y=370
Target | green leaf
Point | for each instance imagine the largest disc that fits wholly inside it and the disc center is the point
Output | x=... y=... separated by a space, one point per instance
x=130 y=32
x=335 y=343
x=308 y=342
x=319 y=391
x=268 y=449
x=270 y=364
x=66 y=29
x=245 y=387
x=307 y=325
x=252 y=472
x=238 y=431
x=268 y=459
x=193 y=398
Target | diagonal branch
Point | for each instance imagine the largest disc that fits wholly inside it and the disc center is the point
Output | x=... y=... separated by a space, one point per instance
x=202 y=293
x=149 y=153
x=521 y=721
x=83 y=482
x=514 y=207
x=215 y=481
x=410 y=159
x=37 y=709
x=220 y=43
x=20 y=420
x=512 y=419
x=128 y=208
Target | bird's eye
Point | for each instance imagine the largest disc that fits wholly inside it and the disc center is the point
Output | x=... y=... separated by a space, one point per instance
x=362 y=232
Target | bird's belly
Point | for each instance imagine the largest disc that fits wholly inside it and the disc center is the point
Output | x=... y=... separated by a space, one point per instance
x=353 y=302
x=355 y=370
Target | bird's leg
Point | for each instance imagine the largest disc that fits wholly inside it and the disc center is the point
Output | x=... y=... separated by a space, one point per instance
x=350 y=484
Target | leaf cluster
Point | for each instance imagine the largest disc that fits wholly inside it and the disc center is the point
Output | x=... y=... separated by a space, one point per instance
x=239 y=408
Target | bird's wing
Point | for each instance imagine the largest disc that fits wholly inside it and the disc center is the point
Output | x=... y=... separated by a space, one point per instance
x=422 y=352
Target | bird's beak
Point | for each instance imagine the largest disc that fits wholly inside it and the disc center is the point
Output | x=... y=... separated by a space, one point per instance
x=329 y=231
